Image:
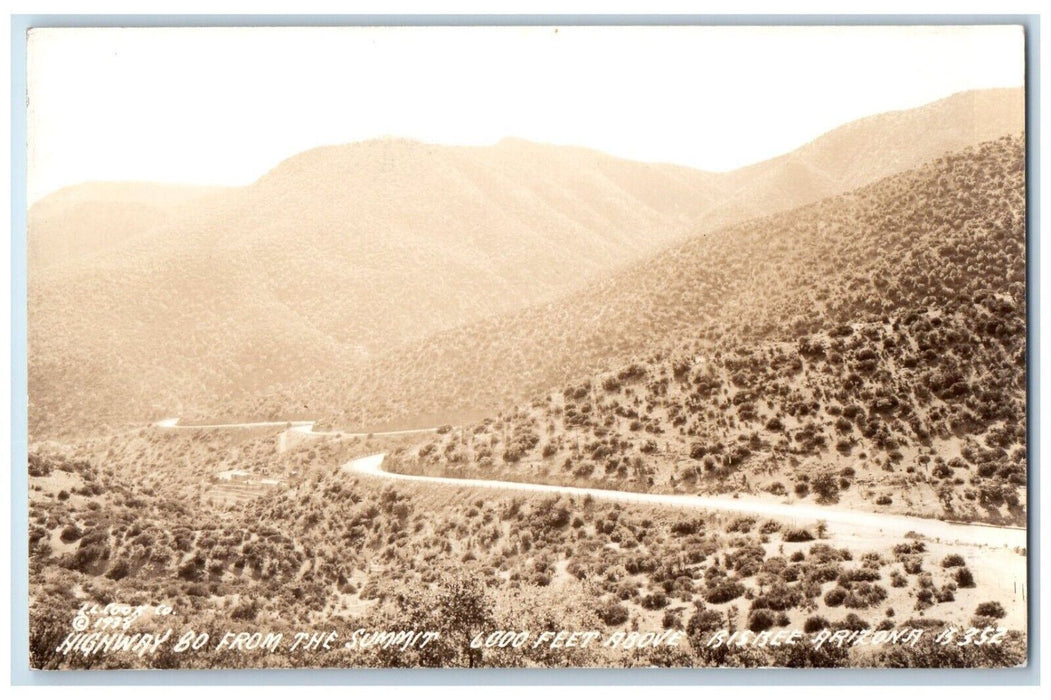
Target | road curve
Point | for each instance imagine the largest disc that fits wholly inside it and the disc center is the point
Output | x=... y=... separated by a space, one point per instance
x=861 y=523
x=839 y=521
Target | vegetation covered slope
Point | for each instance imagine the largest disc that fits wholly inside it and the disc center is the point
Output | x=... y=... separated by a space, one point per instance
x=933 y=237
x=335 y=552
x=866 y=150
x=873 y=341
x=86 y=219
x=341 y=253
x=334 y=254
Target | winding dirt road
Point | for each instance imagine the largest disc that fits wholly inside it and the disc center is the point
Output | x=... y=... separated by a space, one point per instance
x=842 y=522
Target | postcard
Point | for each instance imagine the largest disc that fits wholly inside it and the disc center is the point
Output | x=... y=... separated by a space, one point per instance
x=527 y=347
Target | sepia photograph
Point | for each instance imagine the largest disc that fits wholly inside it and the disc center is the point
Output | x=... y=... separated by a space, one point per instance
x=548 y=346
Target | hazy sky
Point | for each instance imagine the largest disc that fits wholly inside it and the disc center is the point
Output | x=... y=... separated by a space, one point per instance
x=223 y=106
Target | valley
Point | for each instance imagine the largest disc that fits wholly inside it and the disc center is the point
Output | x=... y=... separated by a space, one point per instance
x=470 y=389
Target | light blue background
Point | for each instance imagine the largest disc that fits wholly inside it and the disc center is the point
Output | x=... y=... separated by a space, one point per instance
x=20 y=673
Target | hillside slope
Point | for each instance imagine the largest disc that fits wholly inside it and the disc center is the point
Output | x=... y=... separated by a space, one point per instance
x=869 y=348
x=880 y=249
x=90 y=218
x=868 y=149
x=330 y=546
x=342 y=253
x=336 y=253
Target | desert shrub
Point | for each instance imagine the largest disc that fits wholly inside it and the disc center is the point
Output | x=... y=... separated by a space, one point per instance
x=912 y=565
x=197 y=590
x=826 y=487
x=746 y=560
x=797 y=535
x=761 y=620
x=612 y=613
x=952 y=560
x=924 y=598
x=824 y=573
x=774 y=565
x=836 y=596
x=698 y=450
x=520 y=443
x=815 y=623
x=245 y=610
x=964 y=578
x=655 y=600
x=119 y=570
x=742 y=525
x=853 y=622
x=778 y=598
x=553 y=514
x=724 y=591
x=865 y=595
x=991 y=609
x=687 y=527
x=850 y=576
x=769 y=527
x=671 y=620
x=193 y=569
x=87 y=557
x=704 y=620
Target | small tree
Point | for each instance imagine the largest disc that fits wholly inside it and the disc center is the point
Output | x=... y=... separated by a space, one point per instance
x=826 y=488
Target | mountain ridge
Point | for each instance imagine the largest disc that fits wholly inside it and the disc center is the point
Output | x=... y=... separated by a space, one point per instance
x=347 y=251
